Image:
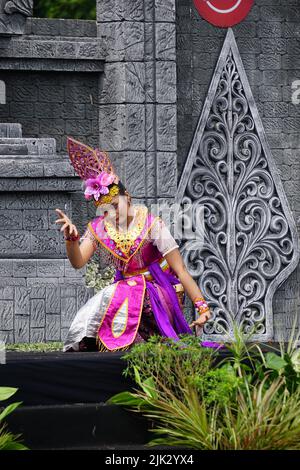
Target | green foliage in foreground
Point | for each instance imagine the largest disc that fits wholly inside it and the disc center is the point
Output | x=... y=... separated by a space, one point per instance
x=8 y=441
x=248 y=401
x=78 y=9
x=38 y=347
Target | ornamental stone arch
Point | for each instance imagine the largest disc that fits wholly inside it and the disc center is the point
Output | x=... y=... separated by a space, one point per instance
x=250 y=244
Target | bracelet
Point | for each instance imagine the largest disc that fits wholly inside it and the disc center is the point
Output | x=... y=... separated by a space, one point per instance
x=72 y=238
x=198 y=298
x=202 y=311
x=200 y=305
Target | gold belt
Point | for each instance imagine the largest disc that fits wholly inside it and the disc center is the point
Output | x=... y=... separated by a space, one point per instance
x=164 y=266
x=162 y=262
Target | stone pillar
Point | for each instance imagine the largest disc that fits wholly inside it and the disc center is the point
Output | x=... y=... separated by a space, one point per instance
x=137 y=102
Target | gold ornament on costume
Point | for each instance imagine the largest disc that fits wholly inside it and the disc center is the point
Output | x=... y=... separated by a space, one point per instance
x=125 y=240
x=107 y=198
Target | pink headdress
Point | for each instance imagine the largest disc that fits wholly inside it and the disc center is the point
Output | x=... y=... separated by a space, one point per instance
x=96 y=169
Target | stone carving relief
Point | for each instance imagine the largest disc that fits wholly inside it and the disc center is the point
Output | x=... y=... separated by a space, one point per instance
x=250 y=240
x=13 y=14
x=25 y=7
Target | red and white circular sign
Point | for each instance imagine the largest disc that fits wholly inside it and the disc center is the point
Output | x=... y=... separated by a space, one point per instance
x=223 y=13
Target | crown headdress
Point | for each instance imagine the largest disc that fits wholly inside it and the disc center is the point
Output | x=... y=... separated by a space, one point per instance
x=95 y=168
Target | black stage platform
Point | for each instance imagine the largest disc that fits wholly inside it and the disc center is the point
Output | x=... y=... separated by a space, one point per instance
x=56 y=378
x=64 y=397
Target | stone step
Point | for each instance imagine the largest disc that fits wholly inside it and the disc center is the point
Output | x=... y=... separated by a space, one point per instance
x=35 y=147
x=38 y=426
x=13 y=149
x=10 y=130
x=24 y=167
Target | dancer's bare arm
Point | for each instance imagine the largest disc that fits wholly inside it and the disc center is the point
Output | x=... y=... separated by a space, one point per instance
x=78 y=253
x=176 y=262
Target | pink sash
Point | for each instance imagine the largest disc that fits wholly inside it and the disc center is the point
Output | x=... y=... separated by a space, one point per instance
x=121 y=320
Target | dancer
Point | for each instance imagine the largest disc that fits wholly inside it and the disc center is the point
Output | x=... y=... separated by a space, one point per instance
x=146 y=295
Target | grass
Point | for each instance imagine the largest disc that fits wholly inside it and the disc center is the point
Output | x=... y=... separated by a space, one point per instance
x=37 y=347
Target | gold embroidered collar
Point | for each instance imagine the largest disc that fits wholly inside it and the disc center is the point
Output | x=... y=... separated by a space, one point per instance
x=125 y=240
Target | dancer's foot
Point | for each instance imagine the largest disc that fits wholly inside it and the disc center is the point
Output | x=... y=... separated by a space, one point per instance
x=88 y=344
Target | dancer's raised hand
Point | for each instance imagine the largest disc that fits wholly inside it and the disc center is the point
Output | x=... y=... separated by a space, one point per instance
x=68 y=228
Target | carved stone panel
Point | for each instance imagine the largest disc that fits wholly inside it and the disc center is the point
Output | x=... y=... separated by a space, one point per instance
x=250 y=243
x=13 y=15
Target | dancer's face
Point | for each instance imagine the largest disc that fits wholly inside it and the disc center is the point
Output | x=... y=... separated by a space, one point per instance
x=117 y=210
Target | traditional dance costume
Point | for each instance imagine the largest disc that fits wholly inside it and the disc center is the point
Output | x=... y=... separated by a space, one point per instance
x=146 y=296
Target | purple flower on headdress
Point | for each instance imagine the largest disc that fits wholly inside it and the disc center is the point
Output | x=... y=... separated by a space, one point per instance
x=95 y=187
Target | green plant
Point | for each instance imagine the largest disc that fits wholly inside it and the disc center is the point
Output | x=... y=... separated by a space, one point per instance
x=163 y=358
x=217 y=385
x=180 y=419
x=98 y=278
x=80 y=9
x=38 y=347
x=245 y=401
x=264 y=418
x=284 y=362
x=9 y=441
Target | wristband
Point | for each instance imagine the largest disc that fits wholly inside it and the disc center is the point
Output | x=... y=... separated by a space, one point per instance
x=72 y=238
x=201 y=305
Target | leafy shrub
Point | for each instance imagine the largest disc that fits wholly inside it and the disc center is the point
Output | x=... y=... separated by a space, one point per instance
x=163 y=359
x=8 y=441
x=217 y=386
x=248 y=400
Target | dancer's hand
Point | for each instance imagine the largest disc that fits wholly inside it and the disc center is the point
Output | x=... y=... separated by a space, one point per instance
x=68 y=228
x=201 y=320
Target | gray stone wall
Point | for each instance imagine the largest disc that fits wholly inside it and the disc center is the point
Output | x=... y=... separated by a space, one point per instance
x=52 y=28
x=39 y=290
x=268 y=41
x=120 y=86
x=133 y=82
x=55 y=93
x=138 y=96
x=38 y=299
x=53 y=104
x=51 y=73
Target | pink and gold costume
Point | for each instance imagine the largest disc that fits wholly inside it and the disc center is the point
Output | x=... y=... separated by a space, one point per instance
x=144 y=298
